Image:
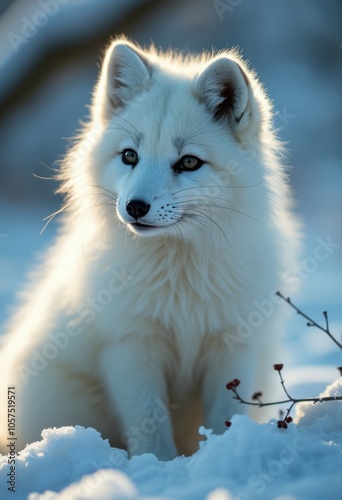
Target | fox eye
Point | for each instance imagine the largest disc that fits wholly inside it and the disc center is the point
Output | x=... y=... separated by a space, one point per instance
x=188 y=163
x=130 y=157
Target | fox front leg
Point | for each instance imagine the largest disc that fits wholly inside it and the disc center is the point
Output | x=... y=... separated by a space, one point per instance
x=136 y=385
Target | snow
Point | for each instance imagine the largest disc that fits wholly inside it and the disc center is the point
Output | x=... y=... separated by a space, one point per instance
x=308 y=414
x=296 y=49
x=249 y=461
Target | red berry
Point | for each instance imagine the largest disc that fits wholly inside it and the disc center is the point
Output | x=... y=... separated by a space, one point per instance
x=288 y=420
x=232 y=384
x=282 y=424
x=278 y=367
x=257 y=395
x=228 y=423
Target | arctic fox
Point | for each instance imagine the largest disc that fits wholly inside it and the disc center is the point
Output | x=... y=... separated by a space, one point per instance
x=159 y=288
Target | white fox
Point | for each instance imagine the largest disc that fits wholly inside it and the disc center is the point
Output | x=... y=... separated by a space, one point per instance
x=175 y=232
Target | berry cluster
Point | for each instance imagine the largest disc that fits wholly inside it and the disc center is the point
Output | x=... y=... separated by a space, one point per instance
x=233 y=384
x=256 y=398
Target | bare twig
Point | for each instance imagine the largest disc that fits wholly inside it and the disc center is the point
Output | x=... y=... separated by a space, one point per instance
x=310 y=321
x=232 y=386
x=256 y=398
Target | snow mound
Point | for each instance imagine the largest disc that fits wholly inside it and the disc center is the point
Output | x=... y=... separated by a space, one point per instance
x=328 y=413
x=249 y=461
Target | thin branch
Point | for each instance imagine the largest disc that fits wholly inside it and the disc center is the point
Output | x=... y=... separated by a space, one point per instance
x=310 y=321
x=260 y=404
x=256 y=398
x=232 y=386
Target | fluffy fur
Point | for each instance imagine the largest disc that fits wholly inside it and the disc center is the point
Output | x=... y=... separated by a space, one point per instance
x=136 y=330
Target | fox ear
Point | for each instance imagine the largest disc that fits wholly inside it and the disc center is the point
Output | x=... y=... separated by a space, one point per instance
x=125 y=74
x=226 y=90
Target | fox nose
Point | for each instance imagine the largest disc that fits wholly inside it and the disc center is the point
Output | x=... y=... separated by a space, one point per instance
x=137 y=208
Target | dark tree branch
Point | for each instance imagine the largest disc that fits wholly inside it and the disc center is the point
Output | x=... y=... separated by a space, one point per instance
x=232 y=386
x=310 y=321
x=256 y=398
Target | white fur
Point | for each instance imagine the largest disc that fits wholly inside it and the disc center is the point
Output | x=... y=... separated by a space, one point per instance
x=139 y=317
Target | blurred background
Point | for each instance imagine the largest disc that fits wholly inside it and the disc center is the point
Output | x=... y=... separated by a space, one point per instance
x=50 y=52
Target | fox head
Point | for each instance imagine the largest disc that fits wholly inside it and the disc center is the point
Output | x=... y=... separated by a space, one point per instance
x=176 y=143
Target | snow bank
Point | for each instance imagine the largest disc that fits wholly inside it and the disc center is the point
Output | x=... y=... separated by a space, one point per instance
x=249 y=461
x=329 y=416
